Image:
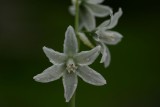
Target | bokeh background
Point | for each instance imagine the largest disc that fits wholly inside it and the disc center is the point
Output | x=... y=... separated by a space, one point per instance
x=28 y=25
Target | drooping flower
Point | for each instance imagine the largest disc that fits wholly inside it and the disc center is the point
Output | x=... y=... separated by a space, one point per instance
x=71 y=64
x=88 y=10
x=103 y=35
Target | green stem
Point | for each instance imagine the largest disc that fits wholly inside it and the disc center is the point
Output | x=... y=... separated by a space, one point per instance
x=73 y=99
x=77 y=16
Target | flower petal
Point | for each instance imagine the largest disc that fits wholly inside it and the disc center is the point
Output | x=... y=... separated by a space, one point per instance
x=115 y=18
x=104 y=53
x=87 y=57
x=106 y=56
x=85 y=39
x=94 y=1
x=72 y=10
x=70 y=82
x=109 y=37
x=87 y=18
x=53 y=56
x=50 y=74
x=70 y=42
x=109 y=24
x=100 y=10
x=90 y=76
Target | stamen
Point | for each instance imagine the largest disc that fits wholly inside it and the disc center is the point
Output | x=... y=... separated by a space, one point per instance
x=71 y=66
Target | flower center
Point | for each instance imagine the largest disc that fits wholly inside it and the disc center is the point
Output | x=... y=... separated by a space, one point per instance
x=71 y=67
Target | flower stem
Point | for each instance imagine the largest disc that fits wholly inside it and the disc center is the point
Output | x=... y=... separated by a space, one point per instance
x=73 y=99
x=77 y=16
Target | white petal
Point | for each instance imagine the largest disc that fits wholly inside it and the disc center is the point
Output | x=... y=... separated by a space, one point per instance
x=85 y=39
x=109 y=37
x=70 y=42
x=94 y=1
x=72 y=10
x=104 y=53
x=70 y=84
x=109 y=24
x=50 y=74
x=100 y=10
x=54 y=57
x=87 y=57
x=114 y=19
x=106 y=56
x=87 y=18
x=90 y=76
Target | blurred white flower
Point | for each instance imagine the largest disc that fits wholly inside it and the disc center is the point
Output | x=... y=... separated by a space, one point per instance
x=105 y=36
x=88 y=10
x=71 y=64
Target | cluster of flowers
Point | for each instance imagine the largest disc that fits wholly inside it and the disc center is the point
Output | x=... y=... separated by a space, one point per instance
x=70 y=63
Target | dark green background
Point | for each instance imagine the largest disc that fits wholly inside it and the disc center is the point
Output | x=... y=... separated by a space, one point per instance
x=133 y=76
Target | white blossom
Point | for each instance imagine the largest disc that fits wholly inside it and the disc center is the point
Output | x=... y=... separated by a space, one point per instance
x=105 y=36
x=71 y=64
x=89 y=9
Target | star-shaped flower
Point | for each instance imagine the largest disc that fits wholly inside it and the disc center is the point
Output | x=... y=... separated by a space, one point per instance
x=88 y=10
x=71 y=64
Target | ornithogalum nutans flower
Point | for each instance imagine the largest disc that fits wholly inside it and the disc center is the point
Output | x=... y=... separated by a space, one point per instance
x=89 y=9
x=105 y=36
x=70 y=64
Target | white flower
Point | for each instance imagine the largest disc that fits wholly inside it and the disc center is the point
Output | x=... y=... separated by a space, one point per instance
x=88 y=10
x=71 y=64
x=105 y=36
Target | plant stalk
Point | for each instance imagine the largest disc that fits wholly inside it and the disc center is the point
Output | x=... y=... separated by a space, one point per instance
x=72 y=102
x=77 y=16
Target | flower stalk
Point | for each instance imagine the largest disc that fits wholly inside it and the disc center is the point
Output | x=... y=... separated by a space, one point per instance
x=73 y=99
x=77 y=16
x=72 y=64
x=72 y=102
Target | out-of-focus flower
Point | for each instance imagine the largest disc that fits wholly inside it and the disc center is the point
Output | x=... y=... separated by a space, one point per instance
x=88 y=10
x=105 y=36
